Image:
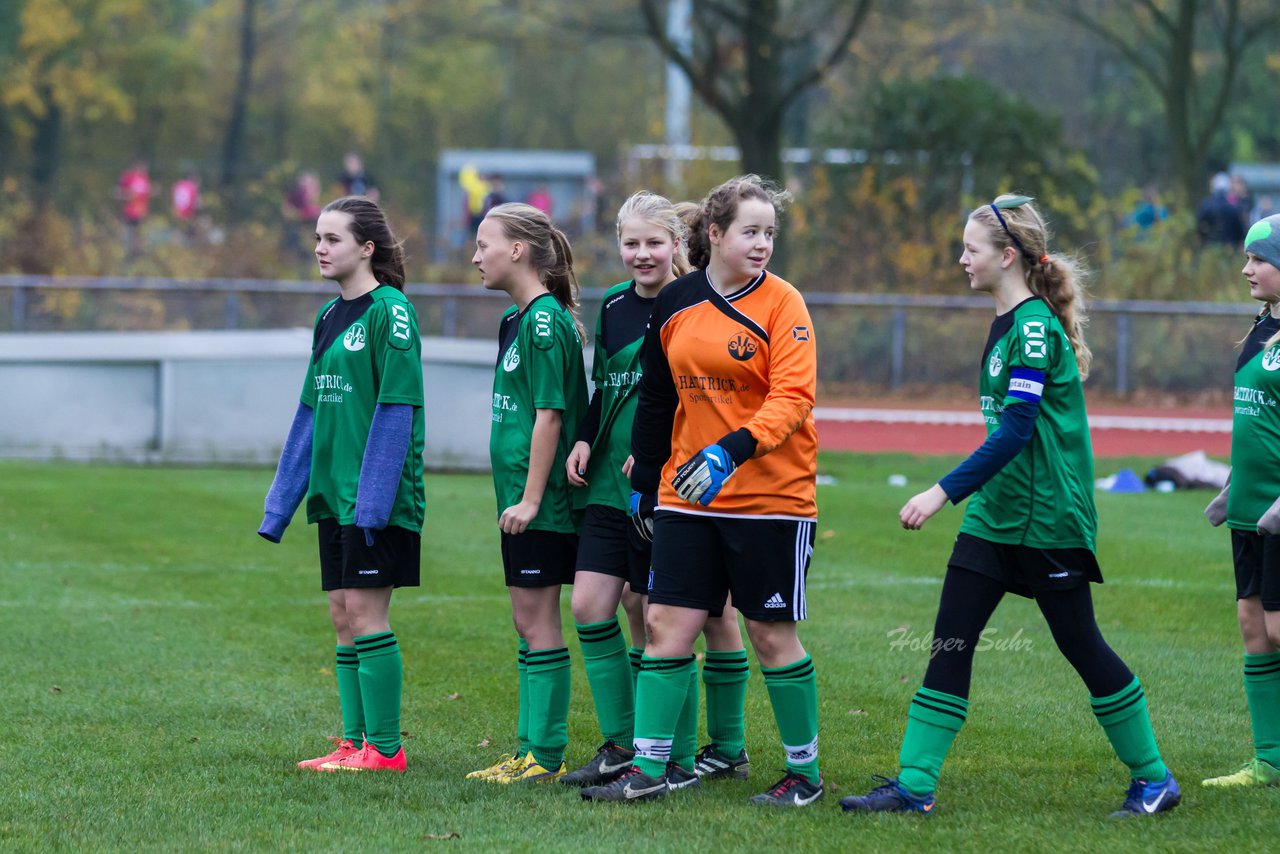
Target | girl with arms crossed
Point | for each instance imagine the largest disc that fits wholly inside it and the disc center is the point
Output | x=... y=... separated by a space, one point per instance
x=355 y=452
x=612 y=553
x=725 y=448
x=539 y=396
x=1030 y=524
x=1250 y=505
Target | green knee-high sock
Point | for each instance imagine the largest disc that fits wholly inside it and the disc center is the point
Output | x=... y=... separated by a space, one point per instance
x=604 y=656
x=1262 y=690
x=348 y=673
x=636 y=654
x=1125 y=718
x=793 y=693
x=725 y=674
x=522 y=708
x=548 y=705
x=661 y=693
x=685 y=742
x=381 y=677
x=932 y=723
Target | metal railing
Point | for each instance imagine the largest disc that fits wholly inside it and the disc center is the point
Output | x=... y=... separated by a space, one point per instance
x=1178 y=338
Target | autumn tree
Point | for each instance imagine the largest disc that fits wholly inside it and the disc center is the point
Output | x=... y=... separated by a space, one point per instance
x=1191 y=52
x=751 y=60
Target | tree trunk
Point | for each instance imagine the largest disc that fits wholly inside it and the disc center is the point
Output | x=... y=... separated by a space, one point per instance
x=233 y=146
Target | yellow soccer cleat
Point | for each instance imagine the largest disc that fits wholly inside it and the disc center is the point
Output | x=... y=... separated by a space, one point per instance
x=501 y=768
x=1255 y=772
x=530 y=771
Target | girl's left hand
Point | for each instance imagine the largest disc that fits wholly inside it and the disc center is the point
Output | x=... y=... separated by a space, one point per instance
x=515 y=519
x=917 y=511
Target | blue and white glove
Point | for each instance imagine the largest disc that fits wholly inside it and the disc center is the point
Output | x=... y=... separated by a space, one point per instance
x=641 y=511
x=700 y=479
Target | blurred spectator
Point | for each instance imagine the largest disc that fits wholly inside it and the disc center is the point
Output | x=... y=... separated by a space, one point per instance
x=1240 y=196
x=475 y=189
x=355 y=179
x=185 y=200
x=298 y=213
x=540 y=198
x=1266 y=206
x=497 y=195
x=1218 y=220
x=134 y=192
x=1149 y=210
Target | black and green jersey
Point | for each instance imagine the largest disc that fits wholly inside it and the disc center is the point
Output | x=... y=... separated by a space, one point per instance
x=539 y=367
x=1044 y=496
x=624 y=316
x=364 y=352
x=1255 y=429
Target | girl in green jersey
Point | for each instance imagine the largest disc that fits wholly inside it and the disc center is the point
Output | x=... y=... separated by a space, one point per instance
x=539 y=396
x=612 y=555
x=1030 y=523
x=355 y=452
x=1250 y=506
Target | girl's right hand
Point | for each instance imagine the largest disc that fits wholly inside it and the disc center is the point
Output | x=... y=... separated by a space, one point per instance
x=576 y=465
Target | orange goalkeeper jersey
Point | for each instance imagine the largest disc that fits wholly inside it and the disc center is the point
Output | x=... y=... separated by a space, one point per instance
x=714 y=365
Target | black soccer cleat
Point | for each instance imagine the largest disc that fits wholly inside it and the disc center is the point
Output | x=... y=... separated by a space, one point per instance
x=711 y=764
x=793 y=790
x=606 y=766
x=633 y=785
x=678 y=778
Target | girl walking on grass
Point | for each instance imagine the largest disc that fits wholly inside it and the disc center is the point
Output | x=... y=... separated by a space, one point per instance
x=1030 y=524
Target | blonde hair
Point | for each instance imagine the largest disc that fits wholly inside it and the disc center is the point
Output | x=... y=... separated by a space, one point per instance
x=720 y=207
x=549 y=252
x=1057 y=279
x=659 y=211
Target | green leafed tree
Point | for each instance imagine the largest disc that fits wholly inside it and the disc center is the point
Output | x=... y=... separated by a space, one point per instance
x=1191 y=53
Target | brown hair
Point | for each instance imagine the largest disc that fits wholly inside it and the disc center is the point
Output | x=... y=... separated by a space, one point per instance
x=720 y=207
x=369 y=225
x=658 y=210
x=1057 y=279
x=549 y=252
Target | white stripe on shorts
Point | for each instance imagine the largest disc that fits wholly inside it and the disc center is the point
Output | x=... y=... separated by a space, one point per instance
x=803 y=551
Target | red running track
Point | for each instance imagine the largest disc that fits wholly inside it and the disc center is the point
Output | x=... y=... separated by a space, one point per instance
x=1115 y=432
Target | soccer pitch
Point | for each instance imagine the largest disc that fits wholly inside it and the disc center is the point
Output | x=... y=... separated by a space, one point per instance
x=166 y=668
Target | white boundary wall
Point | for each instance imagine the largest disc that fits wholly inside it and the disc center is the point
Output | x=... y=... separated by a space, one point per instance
x=207 y=397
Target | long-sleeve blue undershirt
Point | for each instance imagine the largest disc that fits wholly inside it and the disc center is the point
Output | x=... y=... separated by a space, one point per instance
x=293 y=473
x=1017 y=425
x=389 y=436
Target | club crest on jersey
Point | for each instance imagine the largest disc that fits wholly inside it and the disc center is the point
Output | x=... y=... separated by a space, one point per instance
x=800 y=333
x=354 y=340
x=996 y=363
x=742 y=347
x=511 y=360
x=1271 y=359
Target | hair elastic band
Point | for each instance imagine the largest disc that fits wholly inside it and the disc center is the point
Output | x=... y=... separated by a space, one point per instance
x=1044 y=259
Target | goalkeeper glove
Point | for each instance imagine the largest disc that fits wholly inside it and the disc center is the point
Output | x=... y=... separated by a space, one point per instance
x=641 y=511
x=700 y=479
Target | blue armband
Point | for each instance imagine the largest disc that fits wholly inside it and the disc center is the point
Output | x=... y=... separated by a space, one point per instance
x=384 y=453
x=293 y=473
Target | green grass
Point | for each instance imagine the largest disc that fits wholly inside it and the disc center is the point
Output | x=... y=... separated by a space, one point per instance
x=165 y=668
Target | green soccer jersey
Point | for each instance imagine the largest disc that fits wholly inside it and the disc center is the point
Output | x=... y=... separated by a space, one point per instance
x=364 y=352
x=1255 y=430
x=539 y=367
x=615 y=370
x=1044 y=496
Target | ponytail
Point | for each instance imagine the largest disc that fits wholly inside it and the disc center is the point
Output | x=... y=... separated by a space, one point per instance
x=549 y=253
x=369 y=225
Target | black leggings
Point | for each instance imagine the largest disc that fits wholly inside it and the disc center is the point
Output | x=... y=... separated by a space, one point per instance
x=968 y=600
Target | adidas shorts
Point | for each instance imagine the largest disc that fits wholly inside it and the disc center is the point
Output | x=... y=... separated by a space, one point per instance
x=1257 y=564
x=539 y=558
x=346 y=562
x=610 y=545
x=1026 y=570
x=698 y=560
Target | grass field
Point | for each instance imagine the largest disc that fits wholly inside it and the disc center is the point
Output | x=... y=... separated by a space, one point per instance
x=165 y=668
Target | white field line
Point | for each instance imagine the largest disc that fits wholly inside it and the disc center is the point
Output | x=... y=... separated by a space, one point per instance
x=1098 y=422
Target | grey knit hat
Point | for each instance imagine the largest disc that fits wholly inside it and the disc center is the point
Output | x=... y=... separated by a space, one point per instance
x=1263 y=239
